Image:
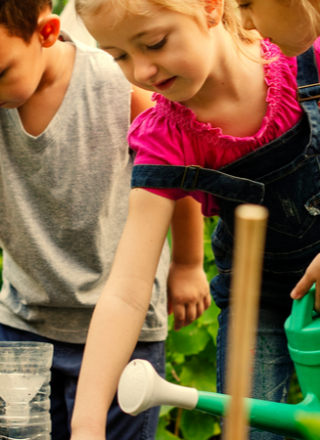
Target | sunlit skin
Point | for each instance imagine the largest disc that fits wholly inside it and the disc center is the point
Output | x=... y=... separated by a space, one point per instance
x=26 y=68
x=197 y=66
x=35 y=73
x=150 y=61
x=285 y=23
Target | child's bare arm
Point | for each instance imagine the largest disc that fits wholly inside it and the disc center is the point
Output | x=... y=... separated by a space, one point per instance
x=140 y=101
x=188 y=289
x=311 y=276
x=120 y=311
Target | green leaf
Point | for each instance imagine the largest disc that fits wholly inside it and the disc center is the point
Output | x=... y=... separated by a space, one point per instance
x=196 y=425
x=170 y=321
x=209 y=354
x=165 y=409
x=191 y=339
x=58 y=6
x=162 y=433
x=199 y=375
x=213 y=331
x=210 y=315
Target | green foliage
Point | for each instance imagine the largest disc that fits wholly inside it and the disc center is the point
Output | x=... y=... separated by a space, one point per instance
x=309 y=425
x=58 y=6
x=191 y=361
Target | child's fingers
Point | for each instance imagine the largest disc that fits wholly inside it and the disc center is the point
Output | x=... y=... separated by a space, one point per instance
x=179 y=312
x=310 y=277
x=317 y=303
x=200 y=308
x=302 y=287
x=207 y=301
x=191 y=313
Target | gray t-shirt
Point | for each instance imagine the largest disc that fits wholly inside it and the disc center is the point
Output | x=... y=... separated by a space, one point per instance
x=63 y=206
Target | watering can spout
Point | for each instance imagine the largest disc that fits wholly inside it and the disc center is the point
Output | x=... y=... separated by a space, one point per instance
x=140 y=388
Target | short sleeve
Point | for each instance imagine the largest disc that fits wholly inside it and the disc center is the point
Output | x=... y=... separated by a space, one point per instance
x=156 y=142
x=317 y=53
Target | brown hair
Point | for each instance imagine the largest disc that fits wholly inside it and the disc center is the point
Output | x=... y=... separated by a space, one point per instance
x=20 y=17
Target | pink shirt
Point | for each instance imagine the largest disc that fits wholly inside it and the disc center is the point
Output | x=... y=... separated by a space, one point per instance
x=170 y=134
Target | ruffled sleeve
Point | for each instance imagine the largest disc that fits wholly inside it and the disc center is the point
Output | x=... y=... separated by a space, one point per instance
x=317 y=51
x=161 y=136
x=156 y=143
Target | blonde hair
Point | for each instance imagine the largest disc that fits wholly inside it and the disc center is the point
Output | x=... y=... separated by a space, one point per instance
x=193 y=8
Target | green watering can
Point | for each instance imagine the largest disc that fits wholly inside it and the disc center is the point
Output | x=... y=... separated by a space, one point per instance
x=140 y=387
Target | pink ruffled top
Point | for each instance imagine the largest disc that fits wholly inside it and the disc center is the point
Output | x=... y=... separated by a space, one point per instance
x=169 y=134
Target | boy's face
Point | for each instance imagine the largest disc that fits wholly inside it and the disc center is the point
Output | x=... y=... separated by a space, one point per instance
x=21 y=68
x=287 y=24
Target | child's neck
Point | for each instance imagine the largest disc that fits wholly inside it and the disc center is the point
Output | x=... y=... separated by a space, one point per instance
x=234 y=96
x=37 y=113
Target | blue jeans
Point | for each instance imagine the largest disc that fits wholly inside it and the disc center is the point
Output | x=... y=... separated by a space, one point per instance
x=273 y=366
x=64 y=376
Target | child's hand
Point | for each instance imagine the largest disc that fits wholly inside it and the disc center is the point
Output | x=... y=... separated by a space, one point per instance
x=311 y=276
x=188 y=293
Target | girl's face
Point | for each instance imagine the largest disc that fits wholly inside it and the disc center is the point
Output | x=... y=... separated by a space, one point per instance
x=168 y=53
x=285 y=22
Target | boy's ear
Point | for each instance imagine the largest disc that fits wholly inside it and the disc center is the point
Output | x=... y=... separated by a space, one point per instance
x=214 y=10
x=49 y=29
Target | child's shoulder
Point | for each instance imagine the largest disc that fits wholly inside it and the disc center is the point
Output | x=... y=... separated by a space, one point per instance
x=96 y=65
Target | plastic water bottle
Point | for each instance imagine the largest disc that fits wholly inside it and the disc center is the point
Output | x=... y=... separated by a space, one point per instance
x=25 y=390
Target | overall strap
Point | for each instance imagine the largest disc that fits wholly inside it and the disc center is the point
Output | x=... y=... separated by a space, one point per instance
x=308 y=94
x=195 y=178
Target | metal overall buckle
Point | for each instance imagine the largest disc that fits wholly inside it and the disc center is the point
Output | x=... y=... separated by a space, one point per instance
x=304 y=87
x=191 y=167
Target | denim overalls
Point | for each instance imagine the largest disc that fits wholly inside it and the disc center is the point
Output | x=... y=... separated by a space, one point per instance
x=284 y=176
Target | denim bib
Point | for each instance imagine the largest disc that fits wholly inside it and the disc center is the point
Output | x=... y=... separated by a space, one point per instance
x=283 y=176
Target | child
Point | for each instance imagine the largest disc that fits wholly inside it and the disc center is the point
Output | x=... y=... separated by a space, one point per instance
x=275 y=20
x=292 y=25
x=65 y=180
x=226 y=101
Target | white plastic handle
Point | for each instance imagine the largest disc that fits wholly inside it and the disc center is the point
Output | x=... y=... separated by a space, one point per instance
x=141 y=388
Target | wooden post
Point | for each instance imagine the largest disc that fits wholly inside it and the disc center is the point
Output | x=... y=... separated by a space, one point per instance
x=250 y=228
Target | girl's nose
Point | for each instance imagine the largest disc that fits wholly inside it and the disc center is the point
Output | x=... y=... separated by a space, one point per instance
x=247 y=21
x=144 y=70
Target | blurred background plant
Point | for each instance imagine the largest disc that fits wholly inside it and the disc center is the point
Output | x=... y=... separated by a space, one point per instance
x=191 y=362
x=58 y=5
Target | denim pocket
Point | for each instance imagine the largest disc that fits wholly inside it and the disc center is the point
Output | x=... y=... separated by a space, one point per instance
x=293 y=197
x=313 y=205
x=222 y=248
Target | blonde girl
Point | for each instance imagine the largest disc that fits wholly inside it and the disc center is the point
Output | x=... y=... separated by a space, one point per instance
x=293 y=25
x=227 y=128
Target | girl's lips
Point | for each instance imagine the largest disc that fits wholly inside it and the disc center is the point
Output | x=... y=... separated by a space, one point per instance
x=164 y=85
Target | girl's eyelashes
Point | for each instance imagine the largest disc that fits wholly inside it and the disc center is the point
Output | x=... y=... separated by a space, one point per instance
x=120 y=58
x=158 y=45
x=244 y=6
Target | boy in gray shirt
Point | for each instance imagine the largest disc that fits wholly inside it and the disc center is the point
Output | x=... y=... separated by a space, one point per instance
x=65 y=175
